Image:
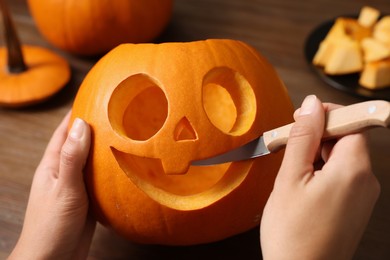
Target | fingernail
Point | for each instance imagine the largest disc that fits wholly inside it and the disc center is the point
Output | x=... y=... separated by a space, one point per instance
x=308 y=105
x=77 y=130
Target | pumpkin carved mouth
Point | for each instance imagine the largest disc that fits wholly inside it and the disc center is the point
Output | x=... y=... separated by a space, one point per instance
x=199 y=187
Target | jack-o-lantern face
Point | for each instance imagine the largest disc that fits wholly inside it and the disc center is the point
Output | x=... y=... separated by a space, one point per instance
x=156 y=108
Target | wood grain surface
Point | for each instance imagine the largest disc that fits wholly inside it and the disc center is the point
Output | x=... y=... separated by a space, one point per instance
x=278 y=29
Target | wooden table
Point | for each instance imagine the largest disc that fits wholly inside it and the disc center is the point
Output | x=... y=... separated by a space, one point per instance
x=277 y=29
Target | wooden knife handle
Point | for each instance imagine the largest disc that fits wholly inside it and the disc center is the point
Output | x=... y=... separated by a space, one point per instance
x=339 y=122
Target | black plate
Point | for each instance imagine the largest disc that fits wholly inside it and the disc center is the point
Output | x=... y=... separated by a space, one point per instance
x=348 y=83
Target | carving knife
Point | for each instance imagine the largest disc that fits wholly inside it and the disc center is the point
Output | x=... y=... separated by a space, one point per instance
x=339 y=122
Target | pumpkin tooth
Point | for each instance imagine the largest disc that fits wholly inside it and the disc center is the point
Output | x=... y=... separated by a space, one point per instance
x=132 y=163
x=175 y=165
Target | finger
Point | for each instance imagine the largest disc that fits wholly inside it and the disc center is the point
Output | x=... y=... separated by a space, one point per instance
x=355 y=146
x=74 y=153
x=327 y=107
x=331 y=106
x=304 y=140
x=326 y=147
x=50 y=160
x=349 y=166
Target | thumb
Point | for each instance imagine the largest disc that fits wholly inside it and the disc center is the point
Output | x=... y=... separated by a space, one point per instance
x=74 y=153
x=304 y=140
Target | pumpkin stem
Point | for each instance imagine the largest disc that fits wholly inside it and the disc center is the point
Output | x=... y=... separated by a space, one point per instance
x=15 y=58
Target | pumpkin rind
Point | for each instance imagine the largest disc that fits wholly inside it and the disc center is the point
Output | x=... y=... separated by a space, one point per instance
x=92 y=27
x=121 y=172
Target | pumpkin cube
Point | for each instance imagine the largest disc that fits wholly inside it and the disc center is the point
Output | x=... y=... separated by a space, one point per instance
x=376 y=75
x=355 y=30
x=322 y=54
x=337 y=30
x=325 y=50
x=374 y=50
x=345 y=58
x=368 y=16
x=382 y=30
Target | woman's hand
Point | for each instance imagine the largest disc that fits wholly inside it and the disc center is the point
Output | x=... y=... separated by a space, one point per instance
x=319 y=213
x=56 y=224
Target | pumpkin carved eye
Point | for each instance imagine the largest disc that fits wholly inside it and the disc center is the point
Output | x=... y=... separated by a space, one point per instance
x=228 y=101
x=142 y=106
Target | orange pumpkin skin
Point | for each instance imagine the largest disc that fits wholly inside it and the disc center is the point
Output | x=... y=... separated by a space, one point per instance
x=46 y=74
x=91 y=27
x=139 y=176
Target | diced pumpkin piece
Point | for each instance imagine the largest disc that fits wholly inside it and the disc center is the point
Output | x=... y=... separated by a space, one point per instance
x=323 y=53
x=382 y=30
x=368 y=16
x=345 y=58
x=376 y=75
x=326 y=48
x=374 y=50
x=355 y=30
x=337 y=30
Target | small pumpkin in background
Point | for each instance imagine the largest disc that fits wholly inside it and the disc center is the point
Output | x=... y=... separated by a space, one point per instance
x=28 y=74
x=92 y=27
x=155 y=108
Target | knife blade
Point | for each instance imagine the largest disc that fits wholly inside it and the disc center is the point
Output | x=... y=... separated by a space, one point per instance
x=339 y=122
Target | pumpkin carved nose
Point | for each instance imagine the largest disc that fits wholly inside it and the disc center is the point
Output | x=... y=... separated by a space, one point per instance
x=184 y=131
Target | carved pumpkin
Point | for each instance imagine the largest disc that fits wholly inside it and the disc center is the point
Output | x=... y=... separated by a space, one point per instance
x=90 y=27
x=155 y=108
